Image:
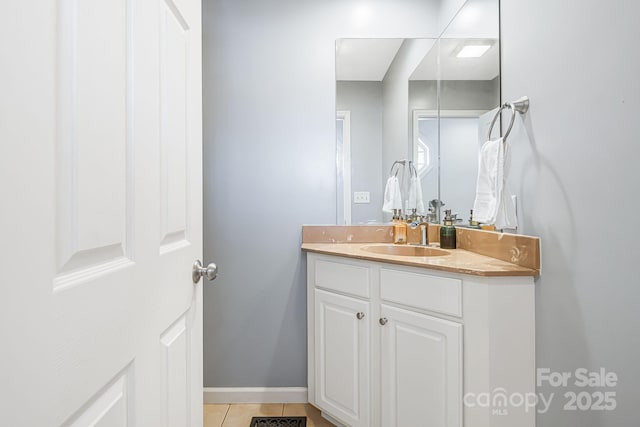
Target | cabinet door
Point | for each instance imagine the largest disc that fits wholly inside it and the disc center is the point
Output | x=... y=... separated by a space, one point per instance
x=421 y=358
x=342 y=350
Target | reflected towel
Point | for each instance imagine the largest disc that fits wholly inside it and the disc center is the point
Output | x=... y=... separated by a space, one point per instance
x=415 y=195
x=392 y=196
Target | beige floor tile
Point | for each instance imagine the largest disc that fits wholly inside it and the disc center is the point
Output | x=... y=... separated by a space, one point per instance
x=239 y=415
x=314 y=419
x=214 y=415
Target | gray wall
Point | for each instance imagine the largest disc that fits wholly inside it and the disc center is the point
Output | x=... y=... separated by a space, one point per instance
x=269 y=167
x=454 y=94
x=364 y=101
x=575 y=169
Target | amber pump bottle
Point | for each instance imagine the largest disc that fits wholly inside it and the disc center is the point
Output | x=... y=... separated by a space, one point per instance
x=448 y=232
x=473 y=223
x=399 y=228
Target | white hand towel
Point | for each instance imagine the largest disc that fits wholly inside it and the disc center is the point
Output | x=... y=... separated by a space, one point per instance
x=490 y=181
x=506 y=215
x=392 y=197
x=415 y=195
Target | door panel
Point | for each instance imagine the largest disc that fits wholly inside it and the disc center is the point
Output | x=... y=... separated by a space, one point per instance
x=175 y=373
x=99 y=319
x=174 y=33
x=421 y=370
x=110 y=408
x=92 y=146
x=342 y=357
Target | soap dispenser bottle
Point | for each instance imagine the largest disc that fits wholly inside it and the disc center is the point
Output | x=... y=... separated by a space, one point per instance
x=473 y=223
x=399 y=228
x=448 y=232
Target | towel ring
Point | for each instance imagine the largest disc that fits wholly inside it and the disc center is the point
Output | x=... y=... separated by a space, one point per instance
x=403 y=163
x=398 y=163
x=521 y=106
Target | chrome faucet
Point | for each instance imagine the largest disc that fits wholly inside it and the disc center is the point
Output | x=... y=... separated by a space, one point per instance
x=433 y=217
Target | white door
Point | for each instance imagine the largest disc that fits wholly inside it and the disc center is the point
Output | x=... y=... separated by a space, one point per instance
x=342 y=357
x=421 y=370
x=100 y=135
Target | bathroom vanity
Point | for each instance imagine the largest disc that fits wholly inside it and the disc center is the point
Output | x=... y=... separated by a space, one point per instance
x=404 y=340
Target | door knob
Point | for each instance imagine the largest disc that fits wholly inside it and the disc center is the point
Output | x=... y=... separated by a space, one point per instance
x=383 y=321
x=360 y=315
x=210 y=272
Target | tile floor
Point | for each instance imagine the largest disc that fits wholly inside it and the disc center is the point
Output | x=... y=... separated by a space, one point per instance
x=239 y=415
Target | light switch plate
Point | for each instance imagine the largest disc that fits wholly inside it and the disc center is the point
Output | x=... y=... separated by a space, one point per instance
x=361 y=197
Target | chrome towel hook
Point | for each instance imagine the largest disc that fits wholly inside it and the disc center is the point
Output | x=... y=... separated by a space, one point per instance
x=403 y=163
x=521 y=106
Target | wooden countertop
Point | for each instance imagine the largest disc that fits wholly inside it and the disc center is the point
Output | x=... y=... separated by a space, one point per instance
x=458 y=261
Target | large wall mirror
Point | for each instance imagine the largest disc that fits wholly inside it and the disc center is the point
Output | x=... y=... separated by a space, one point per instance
x=425 y=100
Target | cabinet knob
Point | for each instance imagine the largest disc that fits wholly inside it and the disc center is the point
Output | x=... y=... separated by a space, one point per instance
x=383 y=321
x=360 y=315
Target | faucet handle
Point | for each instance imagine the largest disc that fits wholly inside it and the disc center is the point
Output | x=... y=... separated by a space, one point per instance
x=454 y=218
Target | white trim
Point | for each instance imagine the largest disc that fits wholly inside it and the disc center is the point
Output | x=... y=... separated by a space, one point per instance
x=255 y=395
x=345 y=116
x=417 y=114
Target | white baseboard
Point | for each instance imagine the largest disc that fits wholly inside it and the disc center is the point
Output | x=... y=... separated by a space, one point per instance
x=255 y=395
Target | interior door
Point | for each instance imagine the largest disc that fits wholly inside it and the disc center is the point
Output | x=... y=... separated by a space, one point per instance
x=100 y=130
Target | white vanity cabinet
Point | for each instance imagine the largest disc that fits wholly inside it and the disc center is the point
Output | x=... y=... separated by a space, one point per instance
x=421 y=369
x=397 y=346
x=343 y=356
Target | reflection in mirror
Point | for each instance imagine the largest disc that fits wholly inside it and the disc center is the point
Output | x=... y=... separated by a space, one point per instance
x=469 y=96
x=448 y=134
x=372 y=84
x=426 y=100
x=361 y=67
